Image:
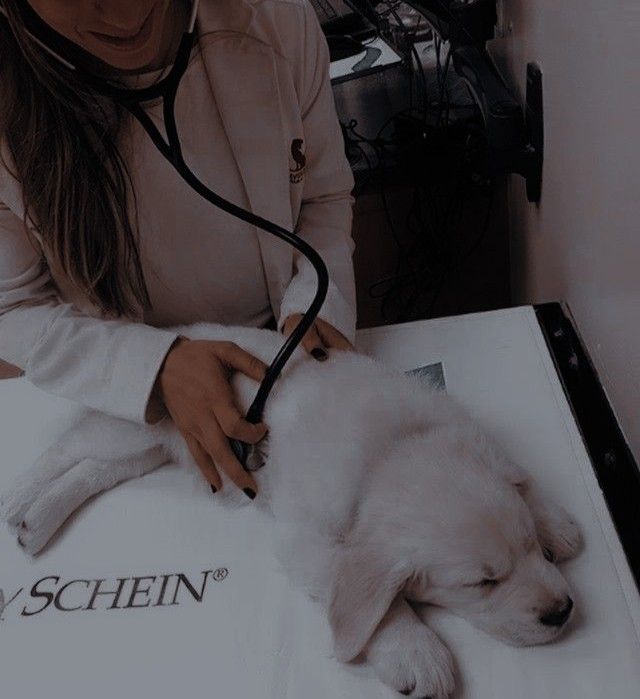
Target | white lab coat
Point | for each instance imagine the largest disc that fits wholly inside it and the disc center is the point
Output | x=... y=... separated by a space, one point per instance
x=267 y=62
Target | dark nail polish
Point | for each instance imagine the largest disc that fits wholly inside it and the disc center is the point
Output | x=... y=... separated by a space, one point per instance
x=249 y=492
x=214 y=489
x=319 y=354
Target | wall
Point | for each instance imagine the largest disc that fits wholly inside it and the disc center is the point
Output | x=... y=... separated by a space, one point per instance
x=582 y=244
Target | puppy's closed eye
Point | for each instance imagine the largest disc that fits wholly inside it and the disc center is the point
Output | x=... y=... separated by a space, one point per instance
x=485 y=582
x=488 y=582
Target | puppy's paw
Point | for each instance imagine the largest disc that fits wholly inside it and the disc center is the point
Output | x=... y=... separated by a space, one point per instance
x=16 y=502
x=558 y=533
x=11 y=509
x=31 y=542
x=412 y=660
x=31 y=484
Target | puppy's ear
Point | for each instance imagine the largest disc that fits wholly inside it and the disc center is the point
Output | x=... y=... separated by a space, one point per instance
x=514 y=475
x=508 y=469
x=363 y=587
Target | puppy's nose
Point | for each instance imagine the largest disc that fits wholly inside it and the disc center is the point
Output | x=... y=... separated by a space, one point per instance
x=558 y=615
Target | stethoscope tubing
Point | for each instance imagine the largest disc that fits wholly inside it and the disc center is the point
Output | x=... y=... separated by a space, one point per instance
x=166 y=90
x=171 y=149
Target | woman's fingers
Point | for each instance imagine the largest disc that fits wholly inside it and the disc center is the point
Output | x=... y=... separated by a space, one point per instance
x=197 y=393
x=312 y=342
x=320 y=336
x=332 y=337
x=231 y=420
x=203 y=461
x=235 y=426
x=239 y=359
x=216 y=443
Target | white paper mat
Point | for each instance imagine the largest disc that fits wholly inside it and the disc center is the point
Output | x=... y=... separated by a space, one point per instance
x=252 y=636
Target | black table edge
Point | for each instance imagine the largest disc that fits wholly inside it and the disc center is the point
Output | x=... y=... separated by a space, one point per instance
x=612 y=460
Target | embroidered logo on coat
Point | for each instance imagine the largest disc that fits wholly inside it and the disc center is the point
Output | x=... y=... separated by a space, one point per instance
x=296 y=173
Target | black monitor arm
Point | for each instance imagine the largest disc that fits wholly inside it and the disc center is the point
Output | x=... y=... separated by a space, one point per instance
x=515 y=139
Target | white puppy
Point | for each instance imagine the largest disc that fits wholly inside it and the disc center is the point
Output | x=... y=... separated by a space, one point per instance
x=383 y=493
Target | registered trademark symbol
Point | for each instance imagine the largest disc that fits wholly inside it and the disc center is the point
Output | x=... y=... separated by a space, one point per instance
x=219 y=574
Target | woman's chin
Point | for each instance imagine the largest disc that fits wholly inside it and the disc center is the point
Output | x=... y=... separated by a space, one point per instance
x=128 y=61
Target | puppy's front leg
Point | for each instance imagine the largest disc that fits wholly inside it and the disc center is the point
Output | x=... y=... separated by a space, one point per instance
x=408 y=656
x=87 y=478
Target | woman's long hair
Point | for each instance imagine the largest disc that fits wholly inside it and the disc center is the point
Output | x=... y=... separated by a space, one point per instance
x=76 y=187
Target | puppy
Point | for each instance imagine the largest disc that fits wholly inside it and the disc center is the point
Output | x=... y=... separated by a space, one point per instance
x=383 y=492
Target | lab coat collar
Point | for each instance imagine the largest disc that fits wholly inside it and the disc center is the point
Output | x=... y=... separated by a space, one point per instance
x=224 y=16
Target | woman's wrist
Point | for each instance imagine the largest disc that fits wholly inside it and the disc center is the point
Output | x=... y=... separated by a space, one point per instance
x=156 y=407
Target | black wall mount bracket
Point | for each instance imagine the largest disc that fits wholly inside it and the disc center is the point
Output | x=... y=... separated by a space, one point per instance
x=534 y=121
x=515 y=136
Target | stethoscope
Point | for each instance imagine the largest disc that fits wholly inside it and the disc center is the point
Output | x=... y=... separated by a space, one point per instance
x=166 y=90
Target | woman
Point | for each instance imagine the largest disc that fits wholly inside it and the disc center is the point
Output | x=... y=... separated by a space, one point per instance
x=102 y=245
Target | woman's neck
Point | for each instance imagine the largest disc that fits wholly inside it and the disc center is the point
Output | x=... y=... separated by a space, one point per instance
x=174 y=28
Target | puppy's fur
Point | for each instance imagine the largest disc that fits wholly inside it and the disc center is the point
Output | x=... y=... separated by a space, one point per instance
x=382 y=491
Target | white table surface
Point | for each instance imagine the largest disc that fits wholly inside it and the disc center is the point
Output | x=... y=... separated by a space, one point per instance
x=252 y=636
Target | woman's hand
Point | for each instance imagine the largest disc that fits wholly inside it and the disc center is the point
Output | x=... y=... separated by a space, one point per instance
x=194 y=385
x=320 y=336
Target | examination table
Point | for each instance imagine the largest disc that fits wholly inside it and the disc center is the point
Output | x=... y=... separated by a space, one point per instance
x=153 y=591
